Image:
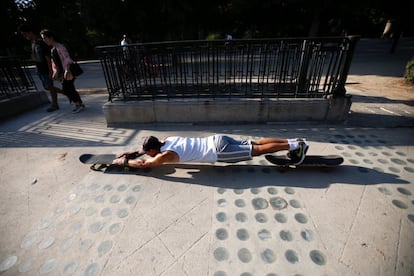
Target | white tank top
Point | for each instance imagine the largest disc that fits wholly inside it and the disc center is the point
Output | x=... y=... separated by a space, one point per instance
x=189 y=149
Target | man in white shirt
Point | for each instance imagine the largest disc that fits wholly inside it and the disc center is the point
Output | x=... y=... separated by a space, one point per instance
x=211 y=149
x=124 y=41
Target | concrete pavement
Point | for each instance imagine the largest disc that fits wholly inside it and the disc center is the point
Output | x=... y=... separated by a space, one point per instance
x=60 y=218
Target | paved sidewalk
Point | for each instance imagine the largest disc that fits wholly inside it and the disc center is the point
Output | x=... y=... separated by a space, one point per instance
x=60 y=218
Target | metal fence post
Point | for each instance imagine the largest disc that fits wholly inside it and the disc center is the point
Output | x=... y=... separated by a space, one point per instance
x=15 y=78
x=279 y=68
x=339 y=90
x=304 y=66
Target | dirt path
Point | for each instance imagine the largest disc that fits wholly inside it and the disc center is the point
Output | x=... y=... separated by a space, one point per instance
x=393 y=88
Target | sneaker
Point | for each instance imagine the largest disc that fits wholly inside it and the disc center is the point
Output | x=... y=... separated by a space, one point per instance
x=297 y=156
x=52 y=108
x=291 y=154
x=78 y=108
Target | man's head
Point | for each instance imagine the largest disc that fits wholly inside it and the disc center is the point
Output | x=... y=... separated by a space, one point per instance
x=27 y=32
x=48 y=36
x=151 y=146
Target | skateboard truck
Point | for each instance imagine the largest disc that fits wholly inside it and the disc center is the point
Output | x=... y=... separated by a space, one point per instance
x=98 y=167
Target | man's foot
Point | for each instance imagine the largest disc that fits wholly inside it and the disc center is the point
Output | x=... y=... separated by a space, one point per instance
x=52 y=108
x=78 y=108
x=298 y=155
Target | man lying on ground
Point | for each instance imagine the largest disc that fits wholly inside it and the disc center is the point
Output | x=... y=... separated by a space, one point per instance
x=211 y=149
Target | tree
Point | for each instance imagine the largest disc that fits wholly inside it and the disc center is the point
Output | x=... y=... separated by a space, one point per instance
x=9 y=18
x=84 y=24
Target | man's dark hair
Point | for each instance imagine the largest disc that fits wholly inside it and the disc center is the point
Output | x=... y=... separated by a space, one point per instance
x=48 y=33
x=26 y=29
x=150 y=143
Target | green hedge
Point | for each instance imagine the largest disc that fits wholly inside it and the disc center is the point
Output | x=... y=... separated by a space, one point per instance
x=409 y=71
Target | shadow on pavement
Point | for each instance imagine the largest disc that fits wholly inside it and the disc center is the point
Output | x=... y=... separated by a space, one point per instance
x=360 y=119
x=372 y=57
x=372 y=99
x=372 y=111
x=253 y=176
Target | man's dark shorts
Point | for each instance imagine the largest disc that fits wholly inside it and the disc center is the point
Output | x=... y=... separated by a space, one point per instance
x=231 y=150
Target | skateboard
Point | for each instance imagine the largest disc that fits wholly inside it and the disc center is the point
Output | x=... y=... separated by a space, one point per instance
x=102 y=161
x=327 y=161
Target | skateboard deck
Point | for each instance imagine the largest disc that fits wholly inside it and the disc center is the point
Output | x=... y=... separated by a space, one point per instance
x=99 y=162
x=310 y=161
x=103 y=159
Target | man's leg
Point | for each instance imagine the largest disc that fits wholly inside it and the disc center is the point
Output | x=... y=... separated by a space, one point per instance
x=269 y=145
x=48 y=85
x=269 y=140
x=54 y=96
x=297 y=147
x=60 y=91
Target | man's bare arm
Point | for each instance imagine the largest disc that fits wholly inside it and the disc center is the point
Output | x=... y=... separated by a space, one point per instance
x=131 y=154
x=159 y=159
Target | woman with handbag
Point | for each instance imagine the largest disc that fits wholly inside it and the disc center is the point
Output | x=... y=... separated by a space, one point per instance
x=61 y=62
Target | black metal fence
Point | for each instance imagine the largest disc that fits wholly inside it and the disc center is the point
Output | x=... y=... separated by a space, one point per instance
x=275 y=68
x=15 y=78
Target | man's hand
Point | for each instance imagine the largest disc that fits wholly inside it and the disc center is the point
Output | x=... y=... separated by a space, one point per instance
x=123 y=154
x=119 y=161
x=131 y=154
x=134 y=163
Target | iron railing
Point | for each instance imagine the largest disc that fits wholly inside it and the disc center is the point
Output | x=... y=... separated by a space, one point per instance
x=271 y=68
x=15 y=78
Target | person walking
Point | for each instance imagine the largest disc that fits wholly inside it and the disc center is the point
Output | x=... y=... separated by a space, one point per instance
x=211 y=149
x=42 y=56
x=61 y=62
x=124 y=41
